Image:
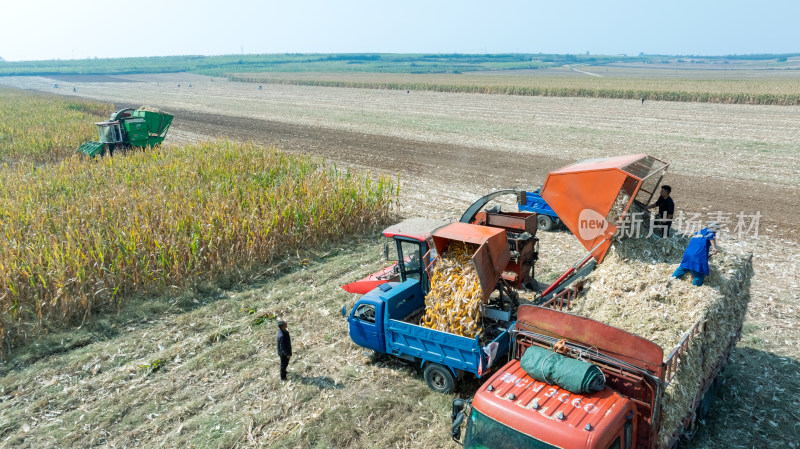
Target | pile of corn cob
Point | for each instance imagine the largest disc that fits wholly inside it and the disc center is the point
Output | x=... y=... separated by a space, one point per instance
x=454 y=303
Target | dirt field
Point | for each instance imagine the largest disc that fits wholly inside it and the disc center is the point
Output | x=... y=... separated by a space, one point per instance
x=449 y=149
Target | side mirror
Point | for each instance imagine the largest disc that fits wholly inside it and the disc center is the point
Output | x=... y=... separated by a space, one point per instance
x=455 y=429
x=457 y=416
x=523 y=198
x=344 y=311
x=458 y=407
x=385 y=251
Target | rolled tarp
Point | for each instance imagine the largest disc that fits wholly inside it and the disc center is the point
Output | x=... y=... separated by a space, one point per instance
x=575 y=376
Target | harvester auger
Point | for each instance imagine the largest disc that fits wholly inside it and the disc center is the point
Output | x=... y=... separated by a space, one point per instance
x=129 y=128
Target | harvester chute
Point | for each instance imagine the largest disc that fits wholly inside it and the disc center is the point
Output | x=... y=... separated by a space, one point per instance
x=594 y=198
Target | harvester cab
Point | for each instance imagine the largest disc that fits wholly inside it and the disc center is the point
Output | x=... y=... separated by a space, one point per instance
x=129 y=128
x=409 y=249
x=600 y=200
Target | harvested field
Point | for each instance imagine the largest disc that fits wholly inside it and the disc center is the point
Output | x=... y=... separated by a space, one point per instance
x=481 y=142
x=216 y=383
x=737 y=142
x=89 y=79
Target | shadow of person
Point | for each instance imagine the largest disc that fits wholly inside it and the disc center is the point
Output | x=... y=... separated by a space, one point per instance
x=322 y=382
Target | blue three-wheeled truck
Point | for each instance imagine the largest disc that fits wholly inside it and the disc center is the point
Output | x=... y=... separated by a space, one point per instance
x=387 y=318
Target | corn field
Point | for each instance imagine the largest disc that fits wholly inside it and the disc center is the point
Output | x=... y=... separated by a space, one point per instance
x=45 y=128
x=82 y=235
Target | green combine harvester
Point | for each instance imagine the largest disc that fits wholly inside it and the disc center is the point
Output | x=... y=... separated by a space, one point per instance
x=128 y=129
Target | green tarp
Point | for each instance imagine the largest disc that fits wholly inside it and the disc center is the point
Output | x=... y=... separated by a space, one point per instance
x=573 y=375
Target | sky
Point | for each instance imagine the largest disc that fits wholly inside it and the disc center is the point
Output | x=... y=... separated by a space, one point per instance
x=67 y=29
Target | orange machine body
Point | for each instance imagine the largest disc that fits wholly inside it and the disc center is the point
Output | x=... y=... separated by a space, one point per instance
x=521 y=230
x=593 y=197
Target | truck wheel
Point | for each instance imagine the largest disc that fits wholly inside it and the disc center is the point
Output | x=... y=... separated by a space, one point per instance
x=439 y=378
x=545 y=223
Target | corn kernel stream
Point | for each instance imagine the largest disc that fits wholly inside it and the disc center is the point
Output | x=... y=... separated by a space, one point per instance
x=454 y=303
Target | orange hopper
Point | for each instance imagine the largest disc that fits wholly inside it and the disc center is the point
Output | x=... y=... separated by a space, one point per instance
x=593 y=196
x=491 y=257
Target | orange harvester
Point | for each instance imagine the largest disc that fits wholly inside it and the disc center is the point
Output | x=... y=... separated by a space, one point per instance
x=593 y=196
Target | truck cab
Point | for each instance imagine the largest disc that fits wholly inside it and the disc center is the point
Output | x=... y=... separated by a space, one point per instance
x=513 y=410
x=366 y=320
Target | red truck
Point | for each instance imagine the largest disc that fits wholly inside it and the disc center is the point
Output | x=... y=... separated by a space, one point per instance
x=513 y=410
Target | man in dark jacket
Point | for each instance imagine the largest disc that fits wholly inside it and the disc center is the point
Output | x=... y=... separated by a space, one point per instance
x=284 y=347
x=666 y=211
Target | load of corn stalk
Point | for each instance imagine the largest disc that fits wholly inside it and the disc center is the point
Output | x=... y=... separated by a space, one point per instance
x=634 y=291
x=454 y=303
x=150 y=109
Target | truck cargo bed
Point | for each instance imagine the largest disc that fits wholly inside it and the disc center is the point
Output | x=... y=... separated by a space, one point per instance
x=406 y=339
x=455 y=351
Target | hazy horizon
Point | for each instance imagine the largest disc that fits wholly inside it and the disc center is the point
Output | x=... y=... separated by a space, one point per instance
x=737 y=55
x=49 y=29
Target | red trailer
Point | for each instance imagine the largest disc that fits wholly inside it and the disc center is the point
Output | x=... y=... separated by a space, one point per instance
x=513 y=410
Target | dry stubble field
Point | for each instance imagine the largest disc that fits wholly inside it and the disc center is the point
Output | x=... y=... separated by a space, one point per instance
x=449 y=149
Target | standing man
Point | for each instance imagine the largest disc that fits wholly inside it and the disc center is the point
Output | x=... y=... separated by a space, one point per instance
x=284 y=347
x=666 y=210
x=695 y=258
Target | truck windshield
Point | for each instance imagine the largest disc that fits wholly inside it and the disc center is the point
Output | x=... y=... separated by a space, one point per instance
x=485 y=433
